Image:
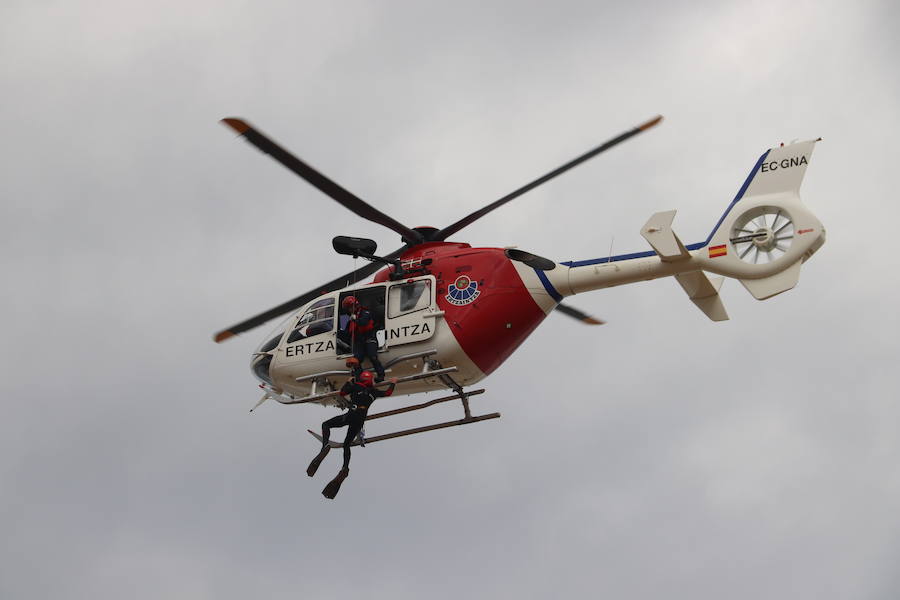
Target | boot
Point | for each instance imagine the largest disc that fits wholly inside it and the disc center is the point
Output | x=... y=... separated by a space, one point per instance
x=334 y=486
x=314 y=465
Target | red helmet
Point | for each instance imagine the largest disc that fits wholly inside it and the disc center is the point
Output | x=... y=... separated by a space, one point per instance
x=366 y=378
x=349 y=302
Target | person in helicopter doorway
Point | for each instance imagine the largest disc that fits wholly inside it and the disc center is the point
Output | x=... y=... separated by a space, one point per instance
x=361 y=329
x=362 y=392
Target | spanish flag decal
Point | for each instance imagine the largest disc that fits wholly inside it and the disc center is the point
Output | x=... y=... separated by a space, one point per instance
x=715 y=251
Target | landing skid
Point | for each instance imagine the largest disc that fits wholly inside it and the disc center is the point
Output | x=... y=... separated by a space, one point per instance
x=464 y=421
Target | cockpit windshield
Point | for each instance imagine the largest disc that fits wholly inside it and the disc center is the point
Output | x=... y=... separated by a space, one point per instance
x=262 y=358
x=316 y=319
x=271 y=341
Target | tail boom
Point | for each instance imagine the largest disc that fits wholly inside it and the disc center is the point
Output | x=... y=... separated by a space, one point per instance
x=763 y=238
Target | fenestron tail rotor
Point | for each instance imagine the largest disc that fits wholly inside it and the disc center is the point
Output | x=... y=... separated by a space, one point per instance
x=763 y=235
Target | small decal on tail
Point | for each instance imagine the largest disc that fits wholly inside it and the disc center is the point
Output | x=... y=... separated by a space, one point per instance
x=784 y=163
x=716 y=251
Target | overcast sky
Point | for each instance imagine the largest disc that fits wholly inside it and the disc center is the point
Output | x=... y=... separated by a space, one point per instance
x=659 y=456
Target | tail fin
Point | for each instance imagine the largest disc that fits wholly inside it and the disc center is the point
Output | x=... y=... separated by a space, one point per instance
x=767 y=232
x=781 y=169
x=764 y=237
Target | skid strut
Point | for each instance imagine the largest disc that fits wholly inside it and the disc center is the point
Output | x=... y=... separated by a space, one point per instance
x=469 y=418
x=397 y=411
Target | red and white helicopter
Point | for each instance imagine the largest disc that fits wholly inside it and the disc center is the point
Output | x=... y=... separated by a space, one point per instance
x=448 y=314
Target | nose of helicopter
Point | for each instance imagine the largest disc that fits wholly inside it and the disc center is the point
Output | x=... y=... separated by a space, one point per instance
x=259 y=365
x=261 y=360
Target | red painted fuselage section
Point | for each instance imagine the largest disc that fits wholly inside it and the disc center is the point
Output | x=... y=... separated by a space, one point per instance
x=486 y=305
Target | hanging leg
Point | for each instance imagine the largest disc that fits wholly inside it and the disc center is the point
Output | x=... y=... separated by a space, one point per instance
x=338 y=421
x=372 y=351
x=355 y=423
x=314 y=465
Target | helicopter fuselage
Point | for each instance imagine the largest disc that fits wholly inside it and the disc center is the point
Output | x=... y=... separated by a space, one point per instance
x=473 y=306
x=445 y=306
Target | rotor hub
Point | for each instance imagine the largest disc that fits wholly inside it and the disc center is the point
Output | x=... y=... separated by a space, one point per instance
x=766 y=240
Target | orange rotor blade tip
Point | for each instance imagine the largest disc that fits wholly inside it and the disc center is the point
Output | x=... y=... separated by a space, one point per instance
x=222 y=336
x=650 y=123
x=238 y=125
x=593 y=321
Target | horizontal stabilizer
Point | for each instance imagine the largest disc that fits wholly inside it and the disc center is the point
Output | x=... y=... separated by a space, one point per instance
x=765 y=288
x=704 y=292
x=658 y=232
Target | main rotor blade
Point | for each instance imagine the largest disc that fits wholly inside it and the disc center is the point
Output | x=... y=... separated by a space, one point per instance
x=577 y=314
x=320 y=181
x=299 y=301
x=446 y=232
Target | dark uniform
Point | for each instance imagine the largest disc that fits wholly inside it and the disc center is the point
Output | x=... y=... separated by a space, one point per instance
x=365 y=342
x=361 y=398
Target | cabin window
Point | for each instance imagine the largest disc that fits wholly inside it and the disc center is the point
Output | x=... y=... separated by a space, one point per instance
x=409 y=297
x=318 y=318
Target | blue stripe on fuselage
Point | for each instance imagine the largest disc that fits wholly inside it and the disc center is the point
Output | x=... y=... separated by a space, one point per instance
x=695 y=246
x=548 y=286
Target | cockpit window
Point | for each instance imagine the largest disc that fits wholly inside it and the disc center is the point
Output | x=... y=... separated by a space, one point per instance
x=408 y=297
x=262 y=358
x=317 y=318
x=271 y=341
x=260 y=367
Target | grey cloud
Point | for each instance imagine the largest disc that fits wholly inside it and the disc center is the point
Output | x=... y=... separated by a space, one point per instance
x=660 y=454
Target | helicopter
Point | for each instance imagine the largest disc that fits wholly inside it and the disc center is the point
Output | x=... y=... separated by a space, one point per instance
x=447 y=315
